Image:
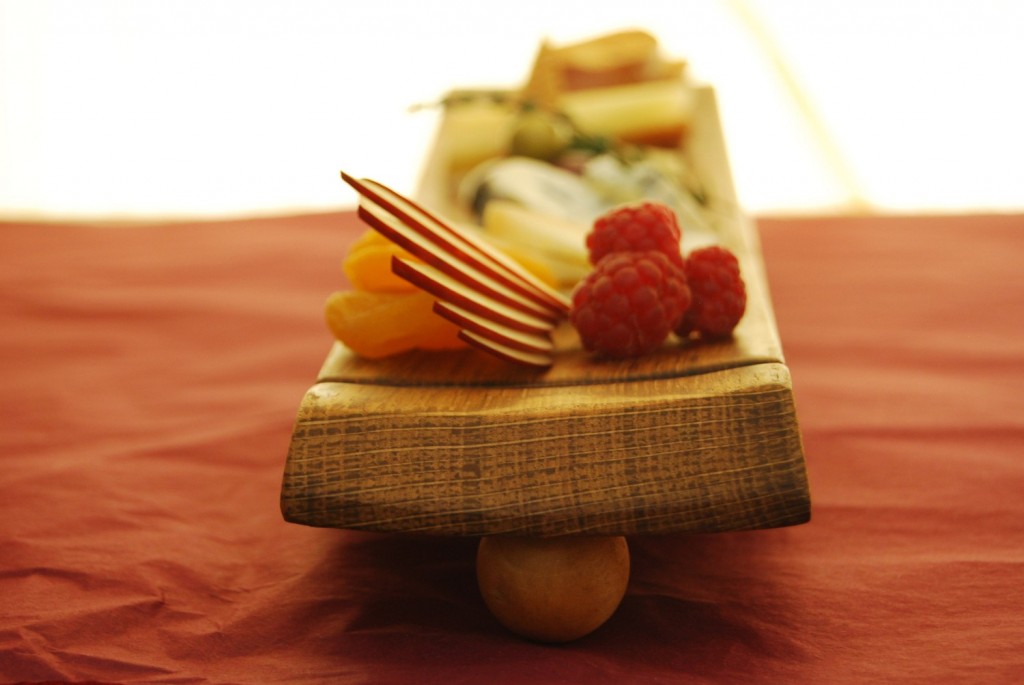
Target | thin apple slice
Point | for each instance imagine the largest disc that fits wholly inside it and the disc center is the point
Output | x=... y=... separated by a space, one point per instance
x=494 y=331
x=469 y=248
x=431 y=253
x=507 y=353
x=444 y=287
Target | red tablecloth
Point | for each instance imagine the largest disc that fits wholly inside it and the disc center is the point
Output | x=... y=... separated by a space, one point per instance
x=150 y=378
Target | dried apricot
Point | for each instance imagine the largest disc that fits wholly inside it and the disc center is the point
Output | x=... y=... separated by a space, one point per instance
x=380 y=324
x=367 y=264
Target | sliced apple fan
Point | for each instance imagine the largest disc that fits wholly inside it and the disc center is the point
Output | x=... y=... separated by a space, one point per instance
x=499 y=306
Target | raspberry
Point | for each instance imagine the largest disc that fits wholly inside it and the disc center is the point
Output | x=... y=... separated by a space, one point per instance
x=719 y=295
x=636 y=227
x=629 y=304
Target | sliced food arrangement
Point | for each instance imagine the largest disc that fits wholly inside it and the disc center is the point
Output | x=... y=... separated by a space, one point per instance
x=582 y=213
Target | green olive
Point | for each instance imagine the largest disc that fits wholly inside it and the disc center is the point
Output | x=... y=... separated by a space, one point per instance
x=540 y=135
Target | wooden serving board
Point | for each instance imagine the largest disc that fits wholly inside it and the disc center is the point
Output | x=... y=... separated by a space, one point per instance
x=697 y=437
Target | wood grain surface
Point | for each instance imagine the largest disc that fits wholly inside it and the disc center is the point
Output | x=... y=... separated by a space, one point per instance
x=699 y=437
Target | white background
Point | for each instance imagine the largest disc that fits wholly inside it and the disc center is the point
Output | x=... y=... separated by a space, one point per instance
x=143 y=109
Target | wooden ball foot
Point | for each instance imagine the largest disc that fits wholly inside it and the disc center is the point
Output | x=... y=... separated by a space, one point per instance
x=552 y=589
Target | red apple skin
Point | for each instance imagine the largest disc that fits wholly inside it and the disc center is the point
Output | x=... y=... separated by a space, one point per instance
x=526 y=342
x=464 y=296
x=454 y=267
x=496 y=293
x=539 y=361
x=485 y=259
x=486 y=255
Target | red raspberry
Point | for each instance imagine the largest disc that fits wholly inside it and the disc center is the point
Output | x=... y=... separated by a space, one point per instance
x=629 y=304
x=636 y=227
x=719 y=295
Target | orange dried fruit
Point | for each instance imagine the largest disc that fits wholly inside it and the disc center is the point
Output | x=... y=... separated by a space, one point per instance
x=367 y=264
x=380 y=324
